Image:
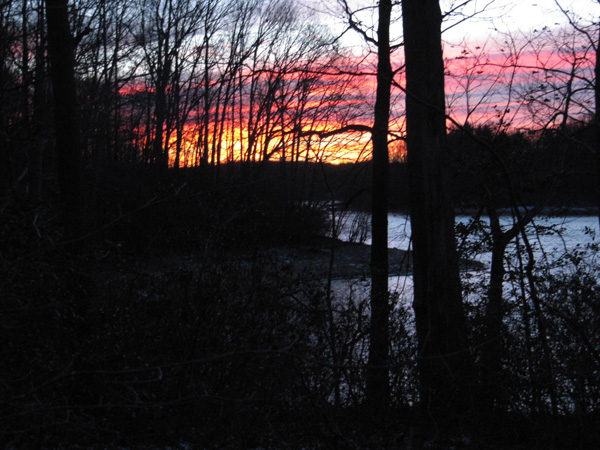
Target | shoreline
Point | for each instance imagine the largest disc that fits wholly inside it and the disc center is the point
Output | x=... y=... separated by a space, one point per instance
x=350 y=260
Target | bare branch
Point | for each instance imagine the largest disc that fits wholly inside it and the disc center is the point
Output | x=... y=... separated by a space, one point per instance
x=342 y=130
x=355 y=25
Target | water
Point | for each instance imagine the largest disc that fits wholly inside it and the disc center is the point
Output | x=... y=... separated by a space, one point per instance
x=574 y=230
x=554 y=240
x=559 y=244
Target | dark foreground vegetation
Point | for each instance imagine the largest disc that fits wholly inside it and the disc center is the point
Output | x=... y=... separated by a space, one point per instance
x=161 y=166
x=169 y=323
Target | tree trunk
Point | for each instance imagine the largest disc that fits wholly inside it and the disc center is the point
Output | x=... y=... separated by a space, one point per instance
x=61 y=49
x=492 y=395
x=40 y=108
x=444 y=360
x=25 y=64
x=597 y=119
x=377 y=382
x=491 y=352
x=160 y=156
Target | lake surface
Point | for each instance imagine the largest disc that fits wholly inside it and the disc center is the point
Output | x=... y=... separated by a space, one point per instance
x=552 y=238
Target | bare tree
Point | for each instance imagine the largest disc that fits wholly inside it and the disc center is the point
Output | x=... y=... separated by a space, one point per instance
x=378 y=374
x=377 y=378
x=61 y=49
x=165 y=30
x=445 y=366
x=590 y=32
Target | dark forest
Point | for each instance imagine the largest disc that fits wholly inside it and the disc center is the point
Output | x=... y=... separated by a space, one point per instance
x=194 y=242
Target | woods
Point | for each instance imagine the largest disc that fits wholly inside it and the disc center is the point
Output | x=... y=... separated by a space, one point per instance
x=195 y=241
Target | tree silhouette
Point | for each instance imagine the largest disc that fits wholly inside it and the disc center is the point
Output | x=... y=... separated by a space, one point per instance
x=445 y=367
x=61 y=49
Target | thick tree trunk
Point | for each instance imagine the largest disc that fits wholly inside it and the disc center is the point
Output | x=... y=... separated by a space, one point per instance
x=445 y=366
x=61 y=49
x=378 y=373
x=597 y=119
x=40 y=107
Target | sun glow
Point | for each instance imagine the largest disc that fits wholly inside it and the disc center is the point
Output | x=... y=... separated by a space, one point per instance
x=293 y=116
x=187 y=150
x=312 y=118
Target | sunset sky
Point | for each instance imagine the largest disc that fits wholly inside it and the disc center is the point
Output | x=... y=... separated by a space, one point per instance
x=525 y=16
x=508 y=65
x=488 y=16
x=273 y=79
x=480 y=49
x=493 y=77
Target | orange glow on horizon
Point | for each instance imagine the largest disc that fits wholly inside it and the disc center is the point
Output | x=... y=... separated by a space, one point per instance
x=348 y=147
x=483 y=86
